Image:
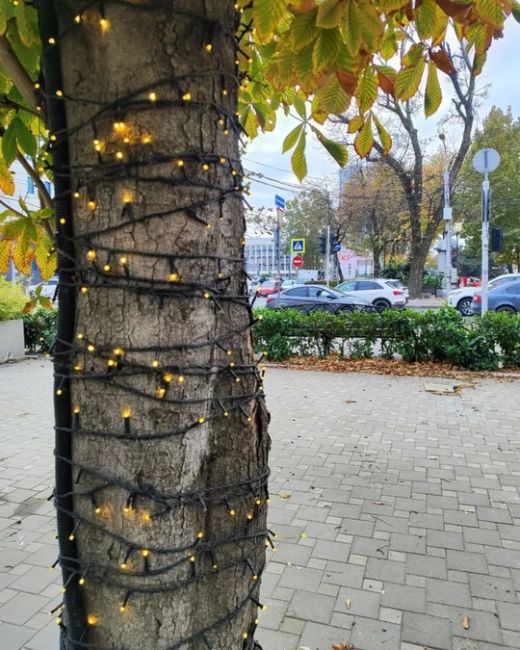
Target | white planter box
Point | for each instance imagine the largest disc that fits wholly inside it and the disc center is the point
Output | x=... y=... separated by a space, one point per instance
x=12 y=344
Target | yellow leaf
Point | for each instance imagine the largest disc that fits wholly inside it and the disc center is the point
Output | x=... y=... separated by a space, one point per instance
x=6 y=179
x=408 y=80
x=298 y=162
x=325 y=49
x=391 y=5
x=332 y=97
x=5 y=254
x=433 y=92
x=267 y=14
x=491 y=12
x=364 y=140
x=384 y=136
x=366 y=92
x=45 y=258
x=355 y=123
x=303 y=29
x=23 y=255
x=331 y=13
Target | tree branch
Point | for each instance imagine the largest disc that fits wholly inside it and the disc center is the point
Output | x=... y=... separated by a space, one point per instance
x=15 y=70
x=42 y=190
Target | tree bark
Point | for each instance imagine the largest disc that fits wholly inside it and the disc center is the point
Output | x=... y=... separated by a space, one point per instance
x=165 y=396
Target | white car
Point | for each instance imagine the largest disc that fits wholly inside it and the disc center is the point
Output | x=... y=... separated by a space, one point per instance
x=462 y=298
x=380 y=292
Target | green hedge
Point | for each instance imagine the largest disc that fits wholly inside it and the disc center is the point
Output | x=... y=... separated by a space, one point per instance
x=40 y=329
x=485 y=343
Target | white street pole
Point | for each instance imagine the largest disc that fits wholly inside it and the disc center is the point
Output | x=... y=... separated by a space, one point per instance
x=327 y=257
x=447 y=229
x=485 y=243
x=484 y=161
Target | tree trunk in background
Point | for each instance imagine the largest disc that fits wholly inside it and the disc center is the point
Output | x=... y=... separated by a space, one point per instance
x=417 y=263
x=145 y=301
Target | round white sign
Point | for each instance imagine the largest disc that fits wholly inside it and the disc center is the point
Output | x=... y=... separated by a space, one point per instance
x=486 y=160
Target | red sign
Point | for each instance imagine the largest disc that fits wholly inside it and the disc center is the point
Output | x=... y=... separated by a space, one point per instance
x=297 y=261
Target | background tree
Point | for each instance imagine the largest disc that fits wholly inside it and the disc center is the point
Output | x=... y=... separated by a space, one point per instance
x=161 y=439
x=372 y=214
x=501 y=131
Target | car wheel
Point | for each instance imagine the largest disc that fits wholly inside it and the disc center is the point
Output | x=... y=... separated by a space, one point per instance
x=381 y=304
x=507 y=309
x=344 y=309
x=464 y=307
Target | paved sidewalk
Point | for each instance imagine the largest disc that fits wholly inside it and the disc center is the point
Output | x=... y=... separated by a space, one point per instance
x=395 y=509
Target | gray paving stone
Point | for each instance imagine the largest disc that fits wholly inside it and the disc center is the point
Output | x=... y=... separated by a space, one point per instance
x=407 y=543
x=362 y=602
x=446 y=540
x=311 y=607
x=13 y=637
x=482 y=586
x=331 y=550
x=371 y=547
x=404 y=597
x=321 y=637
x=483 y=626
x=385 y=570
x=509 y=615
x=368 y=633
x=21 y=608
x=351 y=576
x=464 y=561
x=448 y=593
x=427 y=566
x=426 y=631
x=301 y=578
x=275 y=639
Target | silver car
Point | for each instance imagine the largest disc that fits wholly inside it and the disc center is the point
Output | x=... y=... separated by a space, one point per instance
x=314 y=297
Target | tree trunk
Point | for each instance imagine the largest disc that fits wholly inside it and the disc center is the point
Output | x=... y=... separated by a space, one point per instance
x=168 y=424
x=376 y=254
x=417 y=263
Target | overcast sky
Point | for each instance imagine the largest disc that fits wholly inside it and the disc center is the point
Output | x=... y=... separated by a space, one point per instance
x=264 y=154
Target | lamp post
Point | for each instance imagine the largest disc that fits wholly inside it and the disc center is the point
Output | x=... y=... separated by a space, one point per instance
x=447 y=214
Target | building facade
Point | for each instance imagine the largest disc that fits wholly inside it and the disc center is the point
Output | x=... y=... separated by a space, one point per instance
x=260 y=255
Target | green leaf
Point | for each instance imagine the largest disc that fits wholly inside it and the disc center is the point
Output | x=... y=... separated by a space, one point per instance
x=303 y=29
x=300 y=107
x=367 y=90
x=516 y=12
x=350 y=28
x=267 y=14
x=408 y=80
x=325 y=49
x=491 y=12
x=355 y=123
x=391 y=5
x=364 y=140
x=331 y=96
x=426 y=18
x=3 y=18
x=330 y=13
x=25 y=139
x=338 y=151
x=433 y=92
x=298 y=162
x=384 y=136
x=303 y=65
x=9 y=146
x=292 y=137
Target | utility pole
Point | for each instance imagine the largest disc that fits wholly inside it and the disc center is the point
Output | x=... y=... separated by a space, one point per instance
x=327 y=257
x=447 y=230
x=485 y=161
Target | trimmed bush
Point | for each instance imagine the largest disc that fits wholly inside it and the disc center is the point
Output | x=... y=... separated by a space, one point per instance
x=485 y=343
x=40 y=329
x=12 y=300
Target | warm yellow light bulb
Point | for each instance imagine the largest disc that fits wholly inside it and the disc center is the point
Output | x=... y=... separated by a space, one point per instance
x=92 y=619
x=255 y=577
x=120 y=155
x=186 y=97
x=76 y=195
x=207 y=295
x=258 y=502
x=160 y=392
x=106 y=268
x=156 y=363
x=81 y=581
x=80 y=336
x=111 y=363
x=146 y=516
x=232 y=512
x=221 y=121
x=122 y=609
x=208 y=47
x=225 y=92
x=77 y=19
x=84 y=289
x=168 y=377
x=127 y=412
x=53 y=138
x=104 y=23
x=245 y=635
x=91 y=347
x=192 y=558
x=63 y=221
x=118 y=352
x=180 y=163
x=146 y=139
x=97 y=510
x=123 y=565
x=200 y=535
x=145 y=552
x=76 y=410
x=205 y=167
x=91 y=205
x=173 y=277
x=249 y=516
x=201 y=420
x=226 y=414
x=180 y=379
x=152 y=97
x=226 y=131
x=59 y=392
x=91 y=255
x=72 y=537
x=223 y=160
x=52 y=40
x=123 y=259
x=59 y=93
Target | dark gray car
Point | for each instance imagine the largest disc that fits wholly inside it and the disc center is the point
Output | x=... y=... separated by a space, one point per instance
x=313 y=297
x=505 y=297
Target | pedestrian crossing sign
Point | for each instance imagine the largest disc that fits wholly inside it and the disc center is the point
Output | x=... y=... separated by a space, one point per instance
x=297 y=246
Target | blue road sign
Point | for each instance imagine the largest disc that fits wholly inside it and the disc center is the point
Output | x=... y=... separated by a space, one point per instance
x=279 y=202
x=297 y=246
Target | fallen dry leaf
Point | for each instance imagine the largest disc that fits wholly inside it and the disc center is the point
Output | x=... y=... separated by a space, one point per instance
x=348 y=603
x=303 y=647
x=343 y=646
x=350 y=401
x=466 y=622
x=285 y=495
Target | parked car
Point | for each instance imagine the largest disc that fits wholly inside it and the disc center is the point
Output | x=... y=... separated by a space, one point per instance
x=314 y=297
x=462 y=298
x=399 y=285
x=380 y=292
x=268 y=287
x=504 y=297
x=48 y=288
x=289 y=283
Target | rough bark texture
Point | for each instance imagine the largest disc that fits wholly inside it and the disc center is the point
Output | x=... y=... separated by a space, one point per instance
x=142 y=43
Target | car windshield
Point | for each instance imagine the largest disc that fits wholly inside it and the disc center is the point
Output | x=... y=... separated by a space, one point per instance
x=496 y=282
x=269 y=284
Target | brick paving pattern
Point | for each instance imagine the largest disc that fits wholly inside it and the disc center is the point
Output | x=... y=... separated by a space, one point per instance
x=396 y=513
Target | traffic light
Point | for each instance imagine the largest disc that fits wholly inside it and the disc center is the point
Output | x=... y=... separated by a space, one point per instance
x=335 y=246
x=322 y=243
x=497 y=240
